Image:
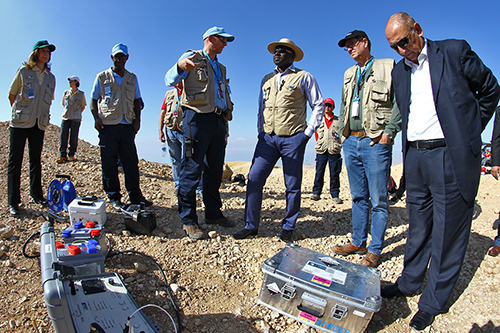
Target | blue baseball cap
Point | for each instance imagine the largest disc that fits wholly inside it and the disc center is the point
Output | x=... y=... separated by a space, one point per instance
x=218 y=31
x=119 y=48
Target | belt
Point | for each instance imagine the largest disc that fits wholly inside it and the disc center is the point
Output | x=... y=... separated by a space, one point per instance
x=218 y=110
x=359 y=134
x=427 y=144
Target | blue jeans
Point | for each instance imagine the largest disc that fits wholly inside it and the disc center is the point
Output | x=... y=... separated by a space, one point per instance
x=175 y=143
x=368 y=169
x=69 y=127
x=208 y=132
x=267 y=152
x=335 y=165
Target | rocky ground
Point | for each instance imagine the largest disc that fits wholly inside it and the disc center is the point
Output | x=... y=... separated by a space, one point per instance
x=216 y=281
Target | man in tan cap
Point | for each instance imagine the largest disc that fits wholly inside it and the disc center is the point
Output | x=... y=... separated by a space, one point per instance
x=283 y=133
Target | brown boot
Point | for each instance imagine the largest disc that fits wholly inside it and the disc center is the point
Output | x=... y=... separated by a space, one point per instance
x=348 y=249
x=370 y=260
x=494 y=251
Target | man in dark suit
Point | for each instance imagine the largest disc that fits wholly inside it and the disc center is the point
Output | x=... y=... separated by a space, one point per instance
x=446 y=96
x=495 y=170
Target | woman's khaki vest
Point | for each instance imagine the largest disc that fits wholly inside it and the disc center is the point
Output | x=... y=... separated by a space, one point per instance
x=172 y=121
x=285 y=108
x=328 y=138
x=377 y=101
x=25 y=110
x=72 y=105
x=121 y=101
x=199 y=94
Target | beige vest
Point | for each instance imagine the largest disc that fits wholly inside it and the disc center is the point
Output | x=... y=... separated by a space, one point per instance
x=377 y=102
x=172 y=121
x=328 y=138
x=121 y=100
x=199 y=85
x=26 y=111
x=73 y=105
x=285 y=108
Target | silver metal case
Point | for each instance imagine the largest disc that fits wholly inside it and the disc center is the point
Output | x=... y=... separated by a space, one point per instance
x=326 y=293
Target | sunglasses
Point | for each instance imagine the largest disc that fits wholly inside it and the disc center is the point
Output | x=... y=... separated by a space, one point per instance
x=328 y=105
x=222 y=39
x=351 y=45
x=403 y=43
x=282 y=50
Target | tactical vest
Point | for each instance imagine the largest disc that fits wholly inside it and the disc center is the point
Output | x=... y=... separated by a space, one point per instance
x=121 y=100
x=328 y=138
x=26 y=111
x=377 y=101
x=73 y=105
x=172 y=121
x=199 y=94
x=285 y=108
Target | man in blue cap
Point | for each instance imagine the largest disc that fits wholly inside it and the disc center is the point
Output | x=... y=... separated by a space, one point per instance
x=116 y=107
x=207 y=106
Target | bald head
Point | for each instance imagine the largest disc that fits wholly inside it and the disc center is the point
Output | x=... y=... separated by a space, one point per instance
x=405 y=36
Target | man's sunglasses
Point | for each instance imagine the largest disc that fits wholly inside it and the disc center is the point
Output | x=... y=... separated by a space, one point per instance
x=403 y=43
x=222 y=39
x=282 y=50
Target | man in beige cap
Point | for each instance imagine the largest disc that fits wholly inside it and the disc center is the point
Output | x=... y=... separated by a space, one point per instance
x=283 y=133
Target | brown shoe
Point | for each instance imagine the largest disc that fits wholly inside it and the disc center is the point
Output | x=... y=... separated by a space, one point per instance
x=71 y=158
x=370 y=260
x=193 y=231
x=494 y=251
x=348 y=249
x=61 y=160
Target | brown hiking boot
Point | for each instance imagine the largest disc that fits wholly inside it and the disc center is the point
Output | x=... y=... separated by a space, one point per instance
x=61 y=160
x=193 y=231
x=348 y=249
x=370 y=260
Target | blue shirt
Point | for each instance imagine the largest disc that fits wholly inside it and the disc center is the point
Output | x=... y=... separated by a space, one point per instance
x=173 y=77
x=96 y=90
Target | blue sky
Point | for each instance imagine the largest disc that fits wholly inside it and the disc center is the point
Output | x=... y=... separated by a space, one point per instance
x=158 y=32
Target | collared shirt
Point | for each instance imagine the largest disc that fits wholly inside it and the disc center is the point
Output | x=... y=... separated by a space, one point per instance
x=172 y=77
x=309 y=88
x=17 y=82
x=423 y=122
x=328 y=123
x=356 y=123
x=96 y=90
x=73 y=93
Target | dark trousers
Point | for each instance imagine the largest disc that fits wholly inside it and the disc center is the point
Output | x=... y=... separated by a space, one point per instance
x=335 y=165
x=18 y=138
x=208 y=133
x=69 y=127
x=270 y=148
x=119 y=141
x=439 y=227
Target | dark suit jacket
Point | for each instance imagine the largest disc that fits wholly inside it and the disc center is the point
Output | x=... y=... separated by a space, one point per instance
x=466 y=94
x=495 y=140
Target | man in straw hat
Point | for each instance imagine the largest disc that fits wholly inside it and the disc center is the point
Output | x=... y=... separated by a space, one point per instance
x=283 y=133
x=369 y=121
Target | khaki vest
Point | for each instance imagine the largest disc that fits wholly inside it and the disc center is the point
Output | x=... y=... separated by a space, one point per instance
x=328 y=138
x=26 y=111
x=73 y=105
x=170 y=120
x=199 y=93
x=285 y=108
x=377 y=101
x=122 y=97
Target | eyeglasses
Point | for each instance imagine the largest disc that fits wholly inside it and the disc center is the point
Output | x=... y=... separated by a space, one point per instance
x=403 y=43
x=328 y=105
x=351 y=45
x=222 y=39
x=282 y=50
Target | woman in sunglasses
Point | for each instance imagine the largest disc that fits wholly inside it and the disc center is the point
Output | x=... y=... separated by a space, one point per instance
x=30 y=95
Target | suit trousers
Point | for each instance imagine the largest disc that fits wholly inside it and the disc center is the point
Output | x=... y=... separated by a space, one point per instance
x=439 y=227
x=271 y=147
x=208 y=133
x=18 y=138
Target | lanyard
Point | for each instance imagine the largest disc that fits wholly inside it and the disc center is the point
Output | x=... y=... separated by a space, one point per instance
x=216 y=69
x=360 y=75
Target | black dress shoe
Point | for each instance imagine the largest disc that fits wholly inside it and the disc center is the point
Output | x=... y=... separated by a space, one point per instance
x=244 y=233
x=421 y=320
x=285 y=235
x=222 y=221
x=14 y=210
x=390 y=291
x=41 y=201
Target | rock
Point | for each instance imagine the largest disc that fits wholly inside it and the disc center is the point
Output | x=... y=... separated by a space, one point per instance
x=6 y=232
x=174 y=287
x=140 y=267
x=126 y=233
x=227 y=172
x=212 y=234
